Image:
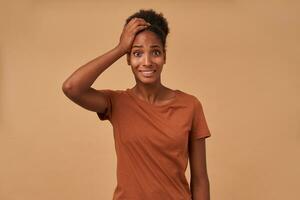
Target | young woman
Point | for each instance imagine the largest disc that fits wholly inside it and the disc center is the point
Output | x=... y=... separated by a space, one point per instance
x=156 y=129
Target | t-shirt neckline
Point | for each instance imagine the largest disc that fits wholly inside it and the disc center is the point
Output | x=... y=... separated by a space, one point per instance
x=130 y=92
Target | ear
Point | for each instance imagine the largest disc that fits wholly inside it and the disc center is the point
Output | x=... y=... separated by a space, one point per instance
x=128 y=58
x=165 y=57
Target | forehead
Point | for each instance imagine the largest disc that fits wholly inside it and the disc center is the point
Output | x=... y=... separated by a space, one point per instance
x=147 y=38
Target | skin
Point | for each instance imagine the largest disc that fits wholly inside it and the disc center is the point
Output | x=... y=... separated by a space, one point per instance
x=199 y=182
x=147 y=53
x=144 y=51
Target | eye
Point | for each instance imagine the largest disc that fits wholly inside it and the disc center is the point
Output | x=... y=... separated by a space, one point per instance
x=156 y=52
x=137 y=53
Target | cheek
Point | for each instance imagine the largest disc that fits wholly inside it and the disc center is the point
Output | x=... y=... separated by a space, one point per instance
x=160 y=61
x=134 y=62
x=133 y=59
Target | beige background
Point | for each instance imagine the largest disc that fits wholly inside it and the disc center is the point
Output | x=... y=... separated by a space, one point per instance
x=240 y=58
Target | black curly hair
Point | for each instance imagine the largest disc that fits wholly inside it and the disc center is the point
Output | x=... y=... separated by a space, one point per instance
x=159 y=24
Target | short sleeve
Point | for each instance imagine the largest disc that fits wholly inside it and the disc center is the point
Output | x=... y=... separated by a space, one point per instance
x=107 y=113
x=199 y=127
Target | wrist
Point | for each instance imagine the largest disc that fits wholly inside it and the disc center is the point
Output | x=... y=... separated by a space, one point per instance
x=121 y=49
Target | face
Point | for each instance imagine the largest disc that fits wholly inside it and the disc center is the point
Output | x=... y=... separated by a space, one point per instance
x=146 y=58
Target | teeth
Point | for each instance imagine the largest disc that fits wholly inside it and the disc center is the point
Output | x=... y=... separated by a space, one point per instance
x=148 y=72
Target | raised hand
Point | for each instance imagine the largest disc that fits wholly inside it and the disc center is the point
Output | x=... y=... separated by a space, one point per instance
x=129 y=31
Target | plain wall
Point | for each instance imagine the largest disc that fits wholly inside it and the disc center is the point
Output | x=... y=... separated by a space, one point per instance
x=240 y=58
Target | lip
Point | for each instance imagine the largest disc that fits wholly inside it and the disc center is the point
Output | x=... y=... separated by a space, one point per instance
x=147 y=74
x=145 y=70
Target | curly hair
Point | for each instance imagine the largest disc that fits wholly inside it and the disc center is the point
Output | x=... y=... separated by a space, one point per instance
x=159 y=24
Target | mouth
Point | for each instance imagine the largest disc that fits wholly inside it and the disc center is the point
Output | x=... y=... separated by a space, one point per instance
x=147 y=73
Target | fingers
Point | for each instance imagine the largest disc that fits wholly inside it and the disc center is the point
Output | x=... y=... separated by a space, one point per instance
x=129 y=32
x=139 y=28
x=137 y=24
x=137 y=20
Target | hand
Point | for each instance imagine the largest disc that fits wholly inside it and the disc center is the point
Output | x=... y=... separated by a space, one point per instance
x=129 y=32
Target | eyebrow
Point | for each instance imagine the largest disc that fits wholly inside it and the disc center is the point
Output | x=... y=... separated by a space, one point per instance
x=139 y=46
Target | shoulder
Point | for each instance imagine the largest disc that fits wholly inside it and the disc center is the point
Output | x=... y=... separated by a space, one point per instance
x=192 y=101
x=188 y=97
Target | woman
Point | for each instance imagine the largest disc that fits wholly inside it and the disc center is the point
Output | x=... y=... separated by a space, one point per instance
x=156 y=129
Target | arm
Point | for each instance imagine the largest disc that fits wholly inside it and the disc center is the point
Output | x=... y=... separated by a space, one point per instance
x=199 y=182
x=78 y=88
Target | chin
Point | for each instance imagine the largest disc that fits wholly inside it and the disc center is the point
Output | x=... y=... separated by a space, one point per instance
x=146 y=81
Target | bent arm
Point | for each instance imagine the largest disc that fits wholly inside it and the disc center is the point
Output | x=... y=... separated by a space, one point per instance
x=78 y=88
x=199 y=182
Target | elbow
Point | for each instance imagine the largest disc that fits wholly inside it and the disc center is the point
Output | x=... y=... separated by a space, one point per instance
x=69 y=90
x=66 y=87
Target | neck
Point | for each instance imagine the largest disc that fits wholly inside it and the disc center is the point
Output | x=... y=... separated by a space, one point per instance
x=149 y=92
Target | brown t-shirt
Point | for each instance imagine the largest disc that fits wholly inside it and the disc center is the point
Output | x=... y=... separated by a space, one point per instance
x=151 y=143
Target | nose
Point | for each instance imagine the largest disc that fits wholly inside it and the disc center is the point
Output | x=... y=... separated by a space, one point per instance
x=147 y=60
